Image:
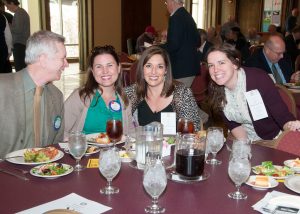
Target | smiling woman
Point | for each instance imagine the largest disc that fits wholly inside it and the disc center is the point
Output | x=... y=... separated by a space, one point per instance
x=101 y=98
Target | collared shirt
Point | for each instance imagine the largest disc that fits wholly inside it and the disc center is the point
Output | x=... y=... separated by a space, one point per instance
x=29 y=89
x=277 y=67
x=174 y=11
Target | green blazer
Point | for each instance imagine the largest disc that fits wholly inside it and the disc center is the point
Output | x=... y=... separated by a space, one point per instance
x=13 y=115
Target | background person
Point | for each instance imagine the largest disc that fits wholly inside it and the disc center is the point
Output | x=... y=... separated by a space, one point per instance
x=227 y=93
x=20 y=30
x=101 y=98
x=46 y=59
x=148 y=36
x=291 y=21
x=156 y=92
x=182 y=43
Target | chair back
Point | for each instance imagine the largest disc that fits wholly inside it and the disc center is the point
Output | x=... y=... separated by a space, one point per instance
x=200 y=85
x=287 y=98
x=289 y=141
x=130 y=46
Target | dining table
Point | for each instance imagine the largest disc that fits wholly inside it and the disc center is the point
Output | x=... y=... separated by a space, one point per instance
x=207 y=196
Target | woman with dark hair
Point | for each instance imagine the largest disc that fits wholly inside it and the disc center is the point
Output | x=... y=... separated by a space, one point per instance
x=251 y=105
x=155 y=91
x=102 y=97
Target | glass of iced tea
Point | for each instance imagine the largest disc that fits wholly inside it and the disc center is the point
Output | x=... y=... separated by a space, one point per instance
x=114 y=130
x=185 y=126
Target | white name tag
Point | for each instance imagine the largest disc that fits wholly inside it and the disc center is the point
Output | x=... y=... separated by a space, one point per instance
x=256 y=104
x=168 y=119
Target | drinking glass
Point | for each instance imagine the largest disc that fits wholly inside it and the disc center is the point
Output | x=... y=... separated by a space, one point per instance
x=155 y=182
x=239 y=170
x=114 y=130
x=109 y=166
x=215 y=141
x=241 y=148
x=77 y=148
x=185 y=126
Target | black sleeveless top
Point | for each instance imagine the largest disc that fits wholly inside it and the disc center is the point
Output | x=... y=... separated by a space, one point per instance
x=146 y=116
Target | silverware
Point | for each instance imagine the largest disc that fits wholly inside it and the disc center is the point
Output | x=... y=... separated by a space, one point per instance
x=18 y=156
x=13 y=174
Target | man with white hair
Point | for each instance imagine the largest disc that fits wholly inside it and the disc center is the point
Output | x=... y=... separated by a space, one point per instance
x=182 y=42
x=31 y=90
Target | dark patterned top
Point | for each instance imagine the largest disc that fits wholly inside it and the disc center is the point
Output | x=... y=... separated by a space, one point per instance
x=183 y=104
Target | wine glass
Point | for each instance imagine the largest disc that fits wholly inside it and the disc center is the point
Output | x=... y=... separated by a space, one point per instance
x=155 y=182
x=109 y=166
x=241 y=148
x=185 y=126
x=239 y=170
x=215 y=141
x=77 y=148
x=114 y=130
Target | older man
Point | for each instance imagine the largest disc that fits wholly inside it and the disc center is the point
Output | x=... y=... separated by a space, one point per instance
x=273 y=60
x=182 y=42
x=32 y=107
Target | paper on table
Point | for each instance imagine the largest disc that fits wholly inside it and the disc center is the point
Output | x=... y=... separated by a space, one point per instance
x=275 y=201
x=93 y=163
x=147 y=45
x=63 y=145
x=72 y=202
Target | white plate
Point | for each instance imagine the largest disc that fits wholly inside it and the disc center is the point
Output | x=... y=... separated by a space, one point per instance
x=20 y=160
x=293 y=183
x=272 y=183
x=275 y=177
x=87 y=153
x=292 y=85
x=128 y=159
x=34 y=171
x=90 y=138
x=288 y=163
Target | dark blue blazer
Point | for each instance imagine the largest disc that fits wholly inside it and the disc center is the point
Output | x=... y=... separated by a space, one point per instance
x=182 y=42
x=258 y=60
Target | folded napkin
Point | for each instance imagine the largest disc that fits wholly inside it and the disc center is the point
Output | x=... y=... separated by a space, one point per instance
x=278 y=202
x=71 y=202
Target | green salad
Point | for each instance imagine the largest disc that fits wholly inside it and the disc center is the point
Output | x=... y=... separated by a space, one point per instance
x=267 y=168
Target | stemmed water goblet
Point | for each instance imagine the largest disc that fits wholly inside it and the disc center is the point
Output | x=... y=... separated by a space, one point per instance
x=241 y=148
x=114 y=130
x=214 y=141
x=154 y=182
x=109 y=166
x=239 y=170
x=77 y=148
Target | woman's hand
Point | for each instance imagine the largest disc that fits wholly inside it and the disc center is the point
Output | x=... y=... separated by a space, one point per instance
x=292 y=125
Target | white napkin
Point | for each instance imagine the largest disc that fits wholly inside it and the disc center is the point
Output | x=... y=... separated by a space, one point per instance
x=63 y=145
x=72 y=202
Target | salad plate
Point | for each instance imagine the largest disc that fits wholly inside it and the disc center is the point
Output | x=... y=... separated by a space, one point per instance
x=292 y=85
x=251 y=182
x=51 y=170
x=293 y=164
x=17 y=157
x=277 y=172
x=92 y=140
x=293 y=183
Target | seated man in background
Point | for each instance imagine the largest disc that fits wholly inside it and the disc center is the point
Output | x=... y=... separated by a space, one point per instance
x=148 y=36
x=32 y=113
x=253 y=38
x=204 y=45
x=273 y=60
x=291 y=43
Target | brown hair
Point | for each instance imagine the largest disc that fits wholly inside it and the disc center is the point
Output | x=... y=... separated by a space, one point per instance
x=91 y=84
x=140 y=78
x=216 y=93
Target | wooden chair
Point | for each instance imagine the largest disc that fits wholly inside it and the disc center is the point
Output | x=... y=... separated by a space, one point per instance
x=200 y=85
x=288 y=99
x=289 y=141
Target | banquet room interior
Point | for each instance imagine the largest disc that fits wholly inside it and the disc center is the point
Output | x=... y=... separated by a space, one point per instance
x=89 y=23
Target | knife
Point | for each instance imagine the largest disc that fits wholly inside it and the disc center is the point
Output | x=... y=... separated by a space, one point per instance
x=13 y=174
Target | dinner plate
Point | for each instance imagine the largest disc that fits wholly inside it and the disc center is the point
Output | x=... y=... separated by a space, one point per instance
x=90 y=138
x=17 y=157
x=35 y=171
x=126 y=157
x=275 y=177
x=289 y=163
x=293 y=183
x=87 y=153
x=292 y=85
x=251 y=182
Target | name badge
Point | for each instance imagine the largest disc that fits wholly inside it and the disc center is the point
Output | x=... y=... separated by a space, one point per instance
x=114 y=105
x=256 y=104
x=57 y=122
x=168 y=119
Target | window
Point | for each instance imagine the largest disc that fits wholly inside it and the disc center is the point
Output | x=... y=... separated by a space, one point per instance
x=64 y=21
x=198 y=12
